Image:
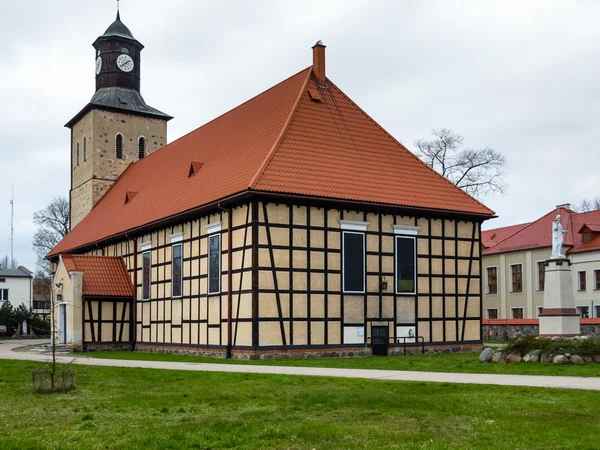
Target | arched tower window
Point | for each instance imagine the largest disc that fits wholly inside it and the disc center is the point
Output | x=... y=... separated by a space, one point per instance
x=84 y=149
x=119 y=145
x=141 y=147
x=77 y=154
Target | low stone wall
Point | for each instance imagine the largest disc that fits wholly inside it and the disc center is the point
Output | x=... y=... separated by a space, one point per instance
x=503 y=329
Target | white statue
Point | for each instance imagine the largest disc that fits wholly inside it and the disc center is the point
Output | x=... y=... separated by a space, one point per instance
x=558 y=236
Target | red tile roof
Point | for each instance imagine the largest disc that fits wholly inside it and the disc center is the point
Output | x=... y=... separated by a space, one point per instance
x=280 y=141
x=104 y=276
x=489 y=238
x=538 y=234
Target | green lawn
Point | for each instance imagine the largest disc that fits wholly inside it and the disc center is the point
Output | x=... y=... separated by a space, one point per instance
x=457 y=362
x=151 y=409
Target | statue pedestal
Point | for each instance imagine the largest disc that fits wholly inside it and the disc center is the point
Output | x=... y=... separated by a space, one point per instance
x=559 y=316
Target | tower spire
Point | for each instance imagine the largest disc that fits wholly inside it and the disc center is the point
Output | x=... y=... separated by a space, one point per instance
x=118 y=12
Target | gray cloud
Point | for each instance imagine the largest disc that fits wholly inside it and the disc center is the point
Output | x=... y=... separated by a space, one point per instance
x=518 y=76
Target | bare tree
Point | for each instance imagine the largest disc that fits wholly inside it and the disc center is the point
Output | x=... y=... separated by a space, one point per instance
x=588 y=205
x=7 y=263
x=477 y=172
x=53 y=225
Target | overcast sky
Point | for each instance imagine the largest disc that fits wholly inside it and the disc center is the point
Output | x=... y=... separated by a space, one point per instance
x=520 y=77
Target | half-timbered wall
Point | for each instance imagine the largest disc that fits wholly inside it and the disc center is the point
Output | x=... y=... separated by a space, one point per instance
x=301 y=301
x=106 y=321
x=288 y=293
x=195 y=318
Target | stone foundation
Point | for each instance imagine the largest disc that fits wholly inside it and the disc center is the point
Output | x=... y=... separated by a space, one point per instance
x=503 y=329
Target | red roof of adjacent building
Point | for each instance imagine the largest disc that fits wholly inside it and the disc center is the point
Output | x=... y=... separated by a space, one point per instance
x=538 y=234
x=489 y=238
x=104 y=276
x=286 y=140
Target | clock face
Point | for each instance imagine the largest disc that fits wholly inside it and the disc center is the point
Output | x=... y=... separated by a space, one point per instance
x=98 y=64
x=125 y=63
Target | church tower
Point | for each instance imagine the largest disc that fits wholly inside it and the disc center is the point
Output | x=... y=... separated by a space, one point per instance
x=117 y=127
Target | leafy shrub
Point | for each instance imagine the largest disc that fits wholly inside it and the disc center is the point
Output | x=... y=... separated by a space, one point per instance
x=584 y=347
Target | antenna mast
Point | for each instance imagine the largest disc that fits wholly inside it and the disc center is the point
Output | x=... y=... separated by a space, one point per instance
x=12 y=226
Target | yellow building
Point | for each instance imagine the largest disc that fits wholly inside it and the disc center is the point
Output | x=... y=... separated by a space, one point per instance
x=292 y=225
x=513 y=264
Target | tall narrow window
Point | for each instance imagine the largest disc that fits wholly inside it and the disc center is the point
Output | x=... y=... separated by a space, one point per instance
x=587 y=237
x=353 y=259
x=77 y=154
x=84 y=149
x=176 y=276
x=492 y=280
x=582 y=281
x=492 y=313
x=541 y=275
x=119 y=146
x=4 y=295
x=517 y=278
x=146 y=279
x=141 y=147
x=517 y=313
x=597 y=276
x=214 y=264
x=405 y=265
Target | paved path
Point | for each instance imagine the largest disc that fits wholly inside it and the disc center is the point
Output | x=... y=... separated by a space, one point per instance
x=7 y=351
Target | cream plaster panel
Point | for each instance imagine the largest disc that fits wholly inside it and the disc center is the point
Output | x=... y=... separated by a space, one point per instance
x=436 y=266
x=405 y=220
x=423 y=304
x=465 y=229
x=353 y=309
x=436 y=285
x=244 y=333
x=423 y=330
x=300 y=259
x=333 y=240
x=372 y=263
x=300 y=238
x=269 y=333
x=300 y=304
x=422 y=246
x=387 y=307
x=317 y=260
x=436 y=227
x=372 y=307
x=387 y=223
x=317 y=217
x=437 y=307
x=300 y=333
x=317 y=238
x=405 y=309
x=333 y=306
x=437 y=330
x=317 y=281
x=278 y=213
x=299 y=215
x=317 y=333
x=372 y=243
x=214 y=336
x=333 y=336
x=423 y=284
x=334 y=261
x=449 y=248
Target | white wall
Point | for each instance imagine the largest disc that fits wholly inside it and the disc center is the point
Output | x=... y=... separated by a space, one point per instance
x=19 y=290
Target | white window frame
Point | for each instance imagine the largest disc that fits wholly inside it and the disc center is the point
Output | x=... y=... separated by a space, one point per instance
x=512 y=291
x=487 y=281
x=512 y=316
x=487 y=311
x=537 y=277
x=362 y=233
x=414 y=239
x=2 y=299
x=122 y=146
x=145 y=146
x=180 y=245
x=147 y=249
x=579 y=272
x=595 y=272
x=218 y=235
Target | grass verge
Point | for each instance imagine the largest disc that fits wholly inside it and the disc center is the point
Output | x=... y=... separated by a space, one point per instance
x=457 y=362
x=144 y=408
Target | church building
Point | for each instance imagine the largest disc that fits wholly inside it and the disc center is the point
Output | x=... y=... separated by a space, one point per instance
x=292 y=225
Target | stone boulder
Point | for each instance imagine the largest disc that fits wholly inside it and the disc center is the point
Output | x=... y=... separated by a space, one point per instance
x=486 y=355
x=499 y=357
x=513 y=357
x=596 y=358
x=531 y=357
x=560 y=359
x=576 y=359
x=547 y=357
x=588 y=359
